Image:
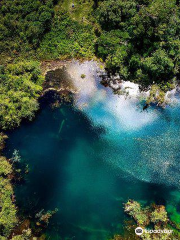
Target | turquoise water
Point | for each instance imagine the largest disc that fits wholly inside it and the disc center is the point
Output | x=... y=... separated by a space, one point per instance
x=88 y=162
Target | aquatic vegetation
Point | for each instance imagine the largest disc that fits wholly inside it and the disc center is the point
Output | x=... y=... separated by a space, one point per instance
x=159 y=215
x=118 y=237
x=174 y=215
x=43 y=217
x=26 y=235
x=140 y=215
x=156 y=215
x=16 y=157
x=156 y=95
x=83 y=75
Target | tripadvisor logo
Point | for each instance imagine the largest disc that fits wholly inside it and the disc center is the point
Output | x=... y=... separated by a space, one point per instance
x=139 y=231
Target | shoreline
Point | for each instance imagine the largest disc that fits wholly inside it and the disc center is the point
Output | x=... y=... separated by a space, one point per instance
x=153 y=95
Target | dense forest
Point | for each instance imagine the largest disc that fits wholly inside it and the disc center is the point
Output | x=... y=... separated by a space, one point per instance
x=138 y=39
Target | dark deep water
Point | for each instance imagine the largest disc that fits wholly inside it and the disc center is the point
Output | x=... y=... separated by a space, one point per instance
x=68 y=172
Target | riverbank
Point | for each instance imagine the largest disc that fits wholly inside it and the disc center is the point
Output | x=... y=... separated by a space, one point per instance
x=76 y=69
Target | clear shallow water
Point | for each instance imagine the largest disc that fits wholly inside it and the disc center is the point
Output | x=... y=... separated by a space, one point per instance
x=88 y=161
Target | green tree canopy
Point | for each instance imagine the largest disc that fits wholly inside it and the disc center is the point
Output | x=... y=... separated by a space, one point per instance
x=20 y=86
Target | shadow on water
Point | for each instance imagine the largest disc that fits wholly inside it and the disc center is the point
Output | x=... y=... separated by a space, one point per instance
x=58 y=77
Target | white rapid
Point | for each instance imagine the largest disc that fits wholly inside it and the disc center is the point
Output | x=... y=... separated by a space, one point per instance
x=145 y=144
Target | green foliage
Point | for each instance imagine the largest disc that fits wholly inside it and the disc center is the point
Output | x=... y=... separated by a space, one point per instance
x=155 y=218
x=82 y=10
x=26 y=235
x=140 y=215
x=159 y=215
x=117 y=237
x=145 y=45
x=156 y=95
x=83 y=76
x=143 y=216
x=24 y=25
x=8 y=210
x=23 y=22
x=67 y=39
x=2 y=140
x=8 y=217
x=109 y=42
x=20 y=86
x=5 y=167
x=115 y=13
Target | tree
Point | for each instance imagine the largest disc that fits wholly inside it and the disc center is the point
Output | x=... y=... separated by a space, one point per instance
x=20 y=86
